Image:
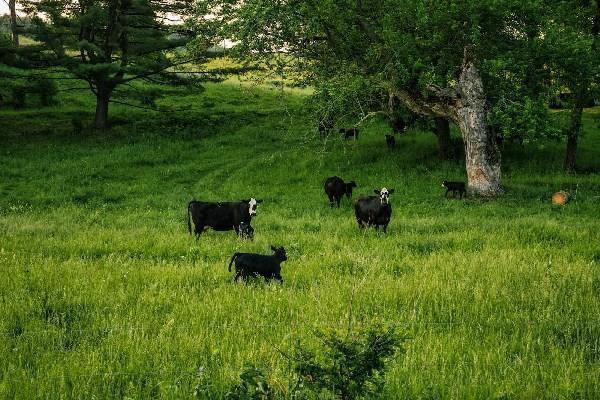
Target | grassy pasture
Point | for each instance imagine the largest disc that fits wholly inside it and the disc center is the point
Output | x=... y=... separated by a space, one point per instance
x=104 y=294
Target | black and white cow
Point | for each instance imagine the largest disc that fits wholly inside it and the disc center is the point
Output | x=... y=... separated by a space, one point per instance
x=335 y=188
x=221 y=216
x=374 y=210
x=252 y=265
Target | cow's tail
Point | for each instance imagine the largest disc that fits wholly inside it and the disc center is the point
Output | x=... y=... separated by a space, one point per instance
x=232 y=260
x=189 y=217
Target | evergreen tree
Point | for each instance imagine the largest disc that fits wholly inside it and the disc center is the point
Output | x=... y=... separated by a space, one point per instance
x=108 y=43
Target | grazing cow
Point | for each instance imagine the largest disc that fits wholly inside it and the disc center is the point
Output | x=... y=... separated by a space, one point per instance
x=220 y=216
x=348 y=133
x=390 y=140
x=335 y=187
x=374 y=210
x=454 y=187
x=325 y=127
x=251 y=265
x=246 y=230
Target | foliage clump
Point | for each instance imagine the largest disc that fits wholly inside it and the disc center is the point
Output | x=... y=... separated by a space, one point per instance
x=345 y=367
x=349 y=367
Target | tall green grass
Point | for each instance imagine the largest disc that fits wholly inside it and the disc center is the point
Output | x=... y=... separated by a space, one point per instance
x=106 y=295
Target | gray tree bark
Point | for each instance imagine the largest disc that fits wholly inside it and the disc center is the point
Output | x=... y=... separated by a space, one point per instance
x=466 y=106
x=482 y=156
x=12 y=5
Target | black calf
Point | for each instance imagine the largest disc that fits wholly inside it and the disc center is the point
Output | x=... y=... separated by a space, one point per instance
x=455 y=187
x=252 y=265
x=348 y=133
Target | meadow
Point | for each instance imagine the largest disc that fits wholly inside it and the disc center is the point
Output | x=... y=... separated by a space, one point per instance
x=104 y=293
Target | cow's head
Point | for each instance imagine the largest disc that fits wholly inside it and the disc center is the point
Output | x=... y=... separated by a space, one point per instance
x=349 y=187
x=384 y=195
x=279 y=252
x=252 y=205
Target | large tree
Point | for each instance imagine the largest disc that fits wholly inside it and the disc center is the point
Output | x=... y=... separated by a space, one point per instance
x=574 y=35
x=434 y=57
x=109 y=43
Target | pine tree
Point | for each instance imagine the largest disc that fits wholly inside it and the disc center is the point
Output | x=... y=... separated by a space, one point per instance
x=108 y=43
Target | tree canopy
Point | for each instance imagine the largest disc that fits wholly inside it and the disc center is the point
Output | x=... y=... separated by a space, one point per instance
x=477 y=63
x=109 y=43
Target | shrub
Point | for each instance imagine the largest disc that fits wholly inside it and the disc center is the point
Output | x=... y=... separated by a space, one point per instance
x=18 y=96
x=350 y=366
x=46 y=89
x=253 y=386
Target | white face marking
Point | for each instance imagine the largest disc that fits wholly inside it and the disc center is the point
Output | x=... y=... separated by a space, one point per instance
x=252 y=206
x=443 y=185
x=384 y=195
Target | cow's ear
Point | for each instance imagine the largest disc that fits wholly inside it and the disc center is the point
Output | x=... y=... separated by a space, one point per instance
x=391 y=191
x=259 y=201
x=377 y=191
x=273 y=248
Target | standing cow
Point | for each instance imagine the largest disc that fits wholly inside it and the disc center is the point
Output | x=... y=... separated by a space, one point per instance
x=221 y=216
x=252 y=265
x=335 y=188
x=374 y=210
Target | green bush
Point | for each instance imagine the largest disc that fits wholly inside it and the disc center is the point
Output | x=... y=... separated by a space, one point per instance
x=18 y=97
x=350 y=366
x=46 y=90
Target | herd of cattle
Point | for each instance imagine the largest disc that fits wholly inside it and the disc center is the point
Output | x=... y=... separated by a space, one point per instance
x=370 y=211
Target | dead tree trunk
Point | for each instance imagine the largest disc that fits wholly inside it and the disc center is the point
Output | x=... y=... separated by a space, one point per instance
x=466 y=106
x=12 y=5
x=482 y=157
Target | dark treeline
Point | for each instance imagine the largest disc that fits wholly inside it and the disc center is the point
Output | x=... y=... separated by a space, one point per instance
x=490 y=68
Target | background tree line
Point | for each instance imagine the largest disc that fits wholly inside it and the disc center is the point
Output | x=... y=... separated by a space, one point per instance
x=491 y=68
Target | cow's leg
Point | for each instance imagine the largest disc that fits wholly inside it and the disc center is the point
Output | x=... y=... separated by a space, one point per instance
x=331 y=200
x=237 y=276
x=385 y=228
x=446 y=194
x=339 y=199
x=198 y=230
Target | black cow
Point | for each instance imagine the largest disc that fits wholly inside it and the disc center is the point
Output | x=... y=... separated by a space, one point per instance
x=348 y=133
x=252 y=265
x=454 y=187
x=220 y=216
x=335 y=187
x=374 y=210
x=246 y=230
x=390 y=140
